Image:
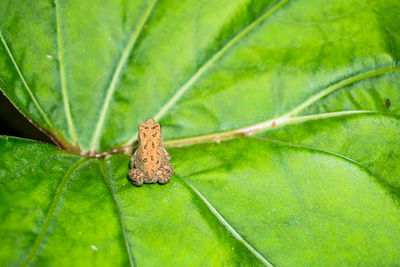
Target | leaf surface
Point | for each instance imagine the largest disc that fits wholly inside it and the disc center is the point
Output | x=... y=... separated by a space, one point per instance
x=272 y=204
x=200 y=68
x=281 y=117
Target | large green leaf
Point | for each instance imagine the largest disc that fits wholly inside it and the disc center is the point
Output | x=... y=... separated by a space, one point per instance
x=200 y=67
x=282 y=119
x=246 y=201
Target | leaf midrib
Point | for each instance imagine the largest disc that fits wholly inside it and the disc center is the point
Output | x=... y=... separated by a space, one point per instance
x=285 y=119
x=290 y=117
x=30 y=163
x=51 y=211
x=118 y=71
x=209 y=63
x=27 y=88
x=263 y=126
x=330 y=153
x=103 y=170
x=63 y=76
x=230 y=229
x=225 y=223
x=341 y=84
x=250 y=130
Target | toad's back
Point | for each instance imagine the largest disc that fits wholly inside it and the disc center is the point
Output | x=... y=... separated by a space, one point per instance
x=150 y=146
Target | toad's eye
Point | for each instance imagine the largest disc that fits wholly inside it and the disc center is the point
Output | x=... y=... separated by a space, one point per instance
x=155 y=126
x=146 y=127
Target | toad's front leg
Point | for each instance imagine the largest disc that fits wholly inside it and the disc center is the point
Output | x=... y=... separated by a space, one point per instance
x=167 y=156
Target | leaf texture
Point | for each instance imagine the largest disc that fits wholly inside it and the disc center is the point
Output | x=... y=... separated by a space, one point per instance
x=281 y=117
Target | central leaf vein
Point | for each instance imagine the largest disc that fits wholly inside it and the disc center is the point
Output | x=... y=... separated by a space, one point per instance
x=118 y=71
x=289 y=117
x=107 y=183
x=30 y=163
x=63 y=78
x=227 y=226
x=27 y=88
x=334 y=154
x=215 y=57
x=50 y=213
x=285 y=119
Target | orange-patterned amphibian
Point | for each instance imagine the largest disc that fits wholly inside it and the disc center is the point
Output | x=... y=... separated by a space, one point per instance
x=150 y=163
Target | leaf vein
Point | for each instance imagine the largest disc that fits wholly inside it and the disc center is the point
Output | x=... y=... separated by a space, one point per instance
x=118 y=70
x=226 y=224
x=106 y=182
x=63 y=77
x=338 y=85
x=289 y=118
x=269 y=124
x=52 y=209
x=352 y=161
x=215 y=57
x=36 y=160
x=28 y=89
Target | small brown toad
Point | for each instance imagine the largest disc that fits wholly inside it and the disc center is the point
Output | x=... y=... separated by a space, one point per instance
x=150 y=163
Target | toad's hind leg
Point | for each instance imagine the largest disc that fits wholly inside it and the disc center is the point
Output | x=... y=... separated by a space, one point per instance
x=164 y=173
x=136 y=176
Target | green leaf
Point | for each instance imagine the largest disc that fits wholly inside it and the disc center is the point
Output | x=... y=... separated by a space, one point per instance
x=245 y=202
x=371 y=139
x=99 y=69
x=282 y=119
